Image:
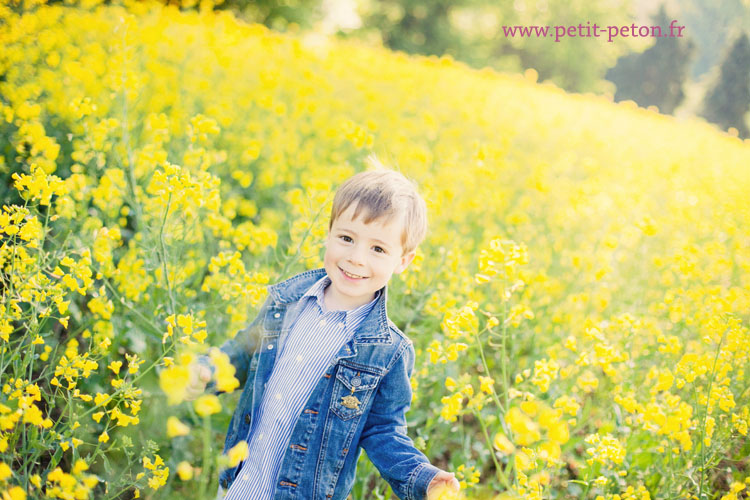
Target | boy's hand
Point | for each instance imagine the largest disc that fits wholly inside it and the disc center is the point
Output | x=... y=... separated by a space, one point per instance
x=443 y=485
x=200 y=375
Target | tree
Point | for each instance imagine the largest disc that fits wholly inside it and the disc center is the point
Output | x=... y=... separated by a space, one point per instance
x=655 y=76
x=729 y=100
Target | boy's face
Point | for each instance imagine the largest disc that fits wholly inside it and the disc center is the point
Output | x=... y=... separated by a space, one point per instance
x=370 y=253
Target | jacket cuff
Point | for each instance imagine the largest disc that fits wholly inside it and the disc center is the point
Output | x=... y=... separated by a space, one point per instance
x=420 y=479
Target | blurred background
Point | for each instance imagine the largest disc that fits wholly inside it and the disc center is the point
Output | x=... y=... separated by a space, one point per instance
x=705 y=73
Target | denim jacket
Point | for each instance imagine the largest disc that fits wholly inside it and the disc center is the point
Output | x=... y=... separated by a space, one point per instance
x=326 y=441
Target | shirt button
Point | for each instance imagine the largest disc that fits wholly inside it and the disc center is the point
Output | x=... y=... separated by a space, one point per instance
x=300 y=358
x=277 y=315
x=322 y=322
x=260 y=437
x=270 y=346
x=341 y=325
x=245 y=477
x=278 y=395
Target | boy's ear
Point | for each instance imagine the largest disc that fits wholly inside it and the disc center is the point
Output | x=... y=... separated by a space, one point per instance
x=405 y=261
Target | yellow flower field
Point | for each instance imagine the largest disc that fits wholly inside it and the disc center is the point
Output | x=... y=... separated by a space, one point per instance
x=580 y=307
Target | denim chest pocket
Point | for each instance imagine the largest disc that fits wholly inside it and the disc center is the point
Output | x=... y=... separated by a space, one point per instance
x=273 y=319
x=352 y=391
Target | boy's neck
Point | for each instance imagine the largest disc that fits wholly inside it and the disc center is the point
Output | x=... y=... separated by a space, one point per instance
x=331 y=305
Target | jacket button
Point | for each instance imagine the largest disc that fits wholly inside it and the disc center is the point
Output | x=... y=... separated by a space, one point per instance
x=224 y=483
x=277 y=315
x=247 y=418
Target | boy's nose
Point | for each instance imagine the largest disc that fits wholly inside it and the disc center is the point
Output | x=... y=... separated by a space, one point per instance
x=356 y=256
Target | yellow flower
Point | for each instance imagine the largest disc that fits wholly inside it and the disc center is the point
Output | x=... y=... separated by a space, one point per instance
x=549 y=451
x=486 y=384
x=588 y=381
x=115 y=367
x=238 y=453
x=450 y=383
x=443 y=491
x=185 y=471
x=15 y=493
x=559 y=433
x=176 y=428
x=225 y=379
x=452 y=406
x=503 y=444
x=103 y=437
x=524 y=429
x=5 y=471
x=174 y=382
x=79 y=467
x=101 y=399
x=208 y=404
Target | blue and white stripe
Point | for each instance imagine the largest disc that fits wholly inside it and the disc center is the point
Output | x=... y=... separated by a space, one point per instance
x=315 y=338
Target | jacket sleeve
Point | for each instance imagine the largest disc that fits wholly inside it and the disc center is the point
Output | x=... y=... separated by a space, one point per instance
x=239 y=349
x=384 y=435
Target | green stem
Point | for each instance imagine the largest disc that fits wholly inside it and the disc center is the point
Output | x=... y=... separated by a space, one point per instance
x=487 y=371
x=705 y=416
x=500 y=472
x=135 y=311
x=163 y=256
x=206 y=472
x=505 y=358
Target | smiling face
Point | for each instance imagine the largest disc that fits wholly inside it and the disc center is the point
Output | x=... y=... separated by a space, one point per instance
x=360 y=259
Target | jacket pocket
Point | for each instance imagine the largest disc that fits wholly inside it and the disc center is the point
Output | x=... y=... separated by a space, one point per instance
x=352 y=391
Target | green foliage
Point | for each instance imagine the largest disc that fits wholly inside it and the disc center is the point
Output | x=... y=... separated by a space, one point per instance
x=729 y=100
x=277 y=14
x=654 y=77
x=710 y=24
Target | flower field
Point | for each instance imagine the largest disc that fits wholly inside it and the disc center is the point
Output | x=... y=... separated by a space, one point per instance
x=579 y=309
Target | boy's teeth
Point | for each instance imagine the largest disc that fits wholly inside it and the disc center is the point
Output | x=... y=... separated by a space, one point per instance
x=352 y=275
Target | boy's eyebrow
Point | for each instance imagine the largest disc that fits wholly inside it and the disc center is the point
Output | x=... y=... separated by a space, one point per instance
x=372 y=239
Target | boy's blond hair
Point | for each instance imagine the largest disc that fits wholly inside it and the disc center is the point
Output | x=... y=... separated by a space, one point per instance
x=384 y=193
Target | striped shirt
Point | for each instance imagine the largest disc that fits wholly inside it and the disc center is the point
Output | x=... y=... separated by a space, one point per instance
x=313 y=341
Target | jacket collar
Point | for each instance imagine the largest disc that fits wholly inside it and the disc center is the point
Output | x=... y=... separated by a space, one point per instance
x=373 y=329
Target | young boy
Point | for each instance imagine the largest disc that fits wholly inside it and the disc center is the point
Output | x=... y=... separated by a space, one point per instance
x=325 y=371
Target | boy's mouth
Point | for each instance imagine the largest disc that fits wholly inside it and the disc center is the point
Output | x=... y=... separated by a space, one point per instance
x=350 y=275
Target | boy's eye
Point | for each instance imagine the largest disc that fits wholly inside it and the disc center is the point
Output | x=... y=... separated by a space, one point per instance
x=379 y=250
x=345 y=237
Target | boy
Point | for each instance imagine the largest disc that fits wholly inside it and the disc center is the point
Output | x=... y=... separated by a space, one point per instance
x=325 y=371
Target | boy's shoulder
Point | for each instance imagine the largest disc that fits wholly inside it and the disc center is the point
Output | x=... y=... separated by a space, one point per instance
x=397 y=331
x=292 y=289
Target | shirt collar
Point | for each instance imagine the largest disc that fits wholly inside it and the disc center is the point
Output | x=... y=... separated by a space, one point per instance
x=353 y=316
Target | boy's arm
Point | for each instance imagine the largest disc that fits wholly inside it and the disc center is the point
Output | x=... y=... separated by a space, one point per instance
x=384 y=436
x=239 y=349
